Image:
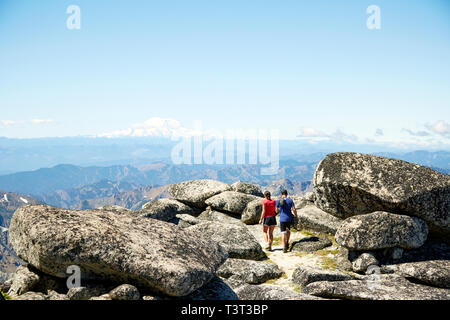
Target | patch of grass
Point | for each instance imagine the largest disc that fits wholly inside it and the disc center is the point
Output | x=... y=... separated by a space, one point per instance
x=327 y=252
x=297 y=288
x=5 y=295
x=271 y=281
x=276 y=241
x=300 y=254
x=307 y=233
x=328 y=263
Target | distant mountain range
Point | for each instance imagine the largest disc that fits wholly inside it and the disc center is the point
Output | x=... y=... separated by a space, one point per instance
x=130 y=186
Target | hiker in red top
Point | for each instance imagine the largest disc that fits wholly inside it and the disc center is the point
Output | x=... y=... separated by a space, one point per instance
x=268 y=219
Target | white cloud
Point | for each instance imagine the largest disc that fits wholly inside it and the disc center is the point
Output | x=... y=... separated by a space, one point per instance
x=153 y=127
x=440 y=127
x=417 y=133
x=8 y=123
x=306 y=132
x=311 y=134
x=40 y=121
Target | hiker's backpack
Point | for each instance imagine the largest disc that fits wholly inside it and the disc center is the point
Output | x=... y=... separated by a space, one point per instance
x=282 y=201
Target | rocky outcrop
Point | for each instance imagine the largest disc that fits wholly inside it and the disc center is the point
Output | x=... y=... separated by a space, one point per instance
x=312 y=218
x=247 y=271
x=217 y=216
x=252 y=212
x=237 y=241
x=305 y=275
x=387 y=288
x=231 y=201
x=270 y=292
x=435 y=272
x=117 y=247
x=348 y=184
x=311 y=244
x=195 y=192
x=165 y=209
x=248 y=188
x=380 y=230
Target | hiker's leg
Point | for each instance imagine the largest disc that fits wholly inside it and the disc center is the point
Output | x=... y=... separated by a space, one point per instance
x=271 y=235
x=288 y=236
x=265 y=228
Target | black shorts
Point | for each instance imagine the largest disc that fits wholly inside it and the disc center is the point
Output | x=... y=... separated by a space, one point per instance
x=269 y=221
x=284 y=226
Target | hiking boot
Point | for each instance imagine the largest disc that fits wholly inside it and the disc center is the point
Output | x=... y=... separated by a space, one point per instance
x=268 y=248
x=285 y=249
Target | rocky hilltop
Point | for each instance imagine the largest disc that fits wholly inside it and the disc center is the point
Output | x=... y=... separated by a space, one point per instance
x=373 y=228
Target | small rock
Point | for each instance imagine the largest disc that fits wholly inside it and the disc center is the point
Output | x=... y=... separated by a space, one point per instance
x=365 y=260
x=253 y=272
x=216 y=289
x=23 y=281
x=270 y=292
x=125 y=292
x=84 y=293
x=30 y=295
x=305 y=275
x=102 y=297
x=311 y=244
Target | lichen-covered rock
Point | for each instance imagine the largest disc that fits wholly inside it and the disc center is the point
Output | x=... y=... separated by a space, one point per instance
x=117 y=209
x=348 y=184
x=23 y=281
x=53 y=295
x=84 y=293
x=30 y=295
x=165 y=209
x=385 y=289
x=252 y=212
x=195 y=192
x=237 y=241
x=248 y=188
x=115 y=247
x=380 y=230
x=185 y=220
x=365 y=260
x=311 y=244
x=253 y=272
x=125 y=292
x=312 y=218
x=216 y=289
x=270 y=292
x=102 y=297
x=435 y=272
x=231 y=201
x=305 y=275
x=217 y=216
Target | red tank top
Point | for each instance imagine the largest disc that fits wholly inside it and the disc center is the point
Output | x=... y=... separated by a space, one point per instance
x=270 y=207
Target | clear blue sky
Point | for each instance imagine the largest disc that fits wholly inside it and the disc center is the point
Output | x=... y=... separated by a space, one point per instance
x=286 y=64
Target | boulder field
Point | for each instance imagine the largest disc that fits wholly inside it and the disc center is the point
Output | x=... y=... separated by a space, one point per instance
x=373 y=228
